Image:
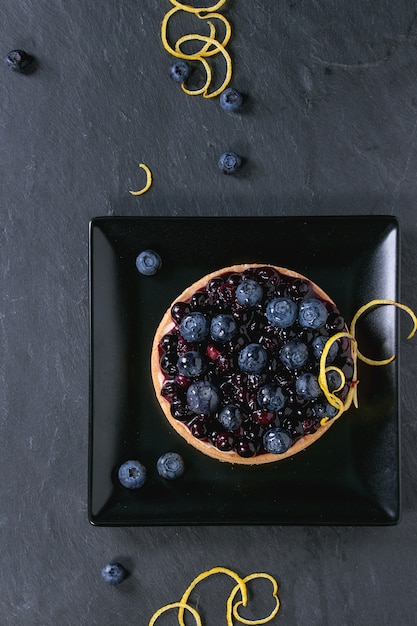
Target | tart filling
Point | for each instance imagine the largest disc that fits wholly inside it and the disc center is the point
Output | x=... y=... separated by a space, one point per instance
x=245 y=361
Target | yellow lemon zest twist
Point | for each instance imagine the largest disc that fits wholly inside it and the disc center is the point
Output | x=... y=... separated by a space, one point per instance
x=148 y=181
x=231 y=606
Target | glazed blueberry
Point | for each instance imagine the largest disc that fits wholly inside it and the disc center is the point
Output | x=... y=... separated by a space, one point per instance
x=231 y=99
x=318 y=346
x=281 y=312
x=230 y=163
x=307 y=387
x=113 y=573
x=148 y=262
x=294 y=354
x=249 y=292
x=276 y=441
x=223 y=327
x=324 y=409
x=271 y=397
x=179 y=71
x=18 y=60
x=194 y=327
x=231 y=417
x=312 y=313
x=203 y=398
x=190 y=364
x=132 y=474
x=253 y=358
x=334 y=380
x=170 y=466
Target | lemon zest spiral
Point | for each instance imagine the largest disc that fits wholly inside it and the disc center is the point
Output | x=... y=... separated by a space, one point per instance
x=148 y=181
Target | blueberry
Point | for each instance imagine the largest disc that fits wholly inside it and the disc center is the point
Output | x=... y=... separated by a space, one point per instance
x=281 y=312
x=271 y=397
x=18 y=60
x=230 y=163
x=334 y=380
x=223 y=327
x=194 y=327
x=253 y=358
x=322 y=410
x=294 y=354
x=249 y=292
x=318 y=346
x=132 y=474
x=148 y=262
x=113 y=573
x=170 y=466
x=179 y=71
x=307 y=387
x=276 y=441
x=231 y=99
x=312 y=313
x=231 y=417
x=203 y=398
x=190 y=364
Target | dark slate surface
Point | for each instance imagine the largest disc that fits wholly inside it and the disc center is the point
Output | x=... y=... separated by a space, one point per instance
x=329 y=128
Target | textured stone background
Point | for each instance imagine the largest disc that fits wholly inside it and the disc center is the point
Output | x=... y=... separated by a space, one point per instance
x=330 y=127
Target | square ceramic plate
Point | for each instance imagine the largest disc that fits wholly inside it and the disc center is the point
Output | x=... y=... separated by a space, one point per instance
x=350 y=476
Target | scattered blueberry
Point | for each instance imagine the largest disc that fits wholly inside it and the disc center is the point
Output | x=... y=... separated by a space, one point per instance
x=194 y=327
x=170 y=466
x=307 y=387
x=322 y=410
x=294 y=354
x=230 y=163
x=190 y=364
x=132 y=474
x=312 y=313
x=203 y=398
x=223 y=327
x=231 y=99
x=253 y=359
x=249 y=292
x=271 y=397
x=113 y=573
x=18 y=60
x=276 y=441
x=318 y=346
x=148 y=262
x=179 y=71
x=231 y=417
x=281 y=312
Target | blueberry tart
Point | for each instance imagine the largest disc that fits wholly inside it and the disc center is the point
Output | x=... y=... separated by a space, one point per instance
x=253 y=363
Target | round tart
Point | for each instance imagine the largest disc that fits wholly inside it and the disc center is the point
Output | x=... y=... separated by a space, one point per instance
x=236 y=363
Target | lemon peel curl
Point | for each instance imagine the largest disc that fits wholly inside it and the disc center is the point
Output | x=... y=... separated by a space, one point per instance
x=148 y=181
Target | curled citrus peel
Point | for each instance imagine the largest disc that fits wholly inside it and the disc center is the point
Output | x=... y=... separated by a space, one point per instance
x=231 y=606
x=148 y=181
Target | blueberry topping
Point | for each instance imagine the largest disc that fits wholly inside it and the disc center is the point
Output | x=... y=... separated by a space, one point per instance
x=223 y=327
x=322 y=410
x=249 y=292
x=203 y=398
x=318 y=346
x=334 y=380
x=312 y=313
x=18 y=60
x=113 y=573
x=190 y=364
x=231 y=417
x=148 y=262
x=281 y=312
x=170 y=466
x=194 y=327
x=307 y=387
x=179 y=71
x=276 y=441
x=132 y=474
x=231 y=99
x=271 y=397
x=294 y=354
x=230 y=163
x=253 y=359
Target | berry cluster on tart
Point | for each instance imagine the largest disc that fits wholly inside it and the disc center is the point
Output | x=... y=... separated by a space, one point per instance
x=237 y=363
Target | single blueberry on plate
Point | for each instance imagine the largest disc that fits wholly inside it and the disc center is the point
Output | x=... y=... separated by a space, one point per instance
x=231 y=417
x=281 y=312
x=170 y=466
x=253 y=358
x=179 y=71
x=270 y=397
x=190 y=364
x=324 y=409
x=132 y=474
x=194 y=327
x=113 y=573
x=223 y=327
x=230 y=163
x=18 y=60
x=249 y=292
x=276 y=441
x=307 y=387
x=148 y=262
x=318 y=346
x=294 y=354
x=203 y=398
x=312 y=313
x=231 y=99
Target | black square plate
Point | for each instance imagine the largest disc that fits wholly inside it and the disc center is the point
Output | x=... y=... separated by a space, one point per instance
x=350 y=476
